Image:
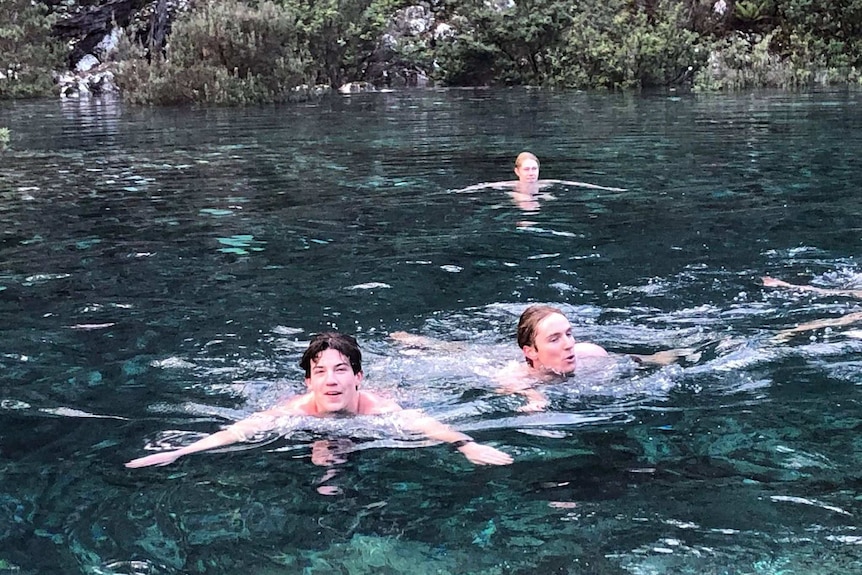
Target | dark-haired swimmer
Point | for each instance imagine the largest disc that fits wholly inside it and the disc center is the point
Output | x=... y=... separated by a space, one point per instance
x=333 y=374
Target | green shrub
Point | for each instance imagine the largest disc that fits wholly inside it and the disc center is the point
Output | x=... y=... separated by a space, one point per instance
x=745 y=61
x=500 y=43
x=223 y=53
x=341 y=36
x=28 y=53
x=616 y=47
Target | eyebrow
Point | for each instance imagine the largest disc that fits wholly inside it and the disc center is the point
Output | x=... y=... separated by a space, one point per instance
x=337 y=365
x=557 y=333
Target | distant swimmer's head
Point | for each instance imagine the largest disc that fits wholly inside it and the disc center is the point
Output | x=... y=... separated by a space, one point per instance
x=527 y=168
x=342 y=343
x=545 y=337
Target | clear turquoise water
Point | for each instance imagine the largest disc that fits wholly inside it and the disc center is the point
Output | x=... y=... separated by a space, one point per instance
x=161 y=270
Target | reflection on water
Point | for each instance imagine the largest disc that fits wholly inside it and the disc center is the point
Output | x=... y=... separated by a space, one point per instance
x=162 y=270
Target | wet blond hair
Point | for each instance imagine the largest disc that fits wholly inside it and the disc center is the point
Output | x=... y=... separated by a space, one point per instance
x=528 y=322
x=524 y=156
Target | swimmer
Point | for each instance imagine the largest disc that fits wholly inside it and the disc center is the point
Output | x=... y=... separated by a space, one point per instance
x=333 y=374
x=550 y=352
x=785 y=335
x=524 y=190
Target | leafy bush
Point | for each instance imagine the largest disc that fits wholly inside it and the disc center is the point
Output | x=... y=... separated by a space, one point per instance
x=745 y=61
x=28 y=54
x=341 y=36
x=224 y=53
x=616 y=46
x=504 y=42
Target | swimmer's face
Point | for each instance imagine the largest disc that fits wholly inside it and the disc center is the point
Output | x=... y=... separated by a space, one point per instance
x=553 y=347
x=528 y=172
x=334 y=386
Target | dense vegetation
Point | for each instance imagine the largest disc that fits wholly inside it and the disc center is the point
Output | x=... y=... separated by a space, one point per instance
x=245 y=51
x=28 y=52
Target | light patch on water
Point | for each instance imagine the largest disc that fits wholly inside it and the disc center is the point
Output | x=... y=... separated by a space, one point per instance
x=90 y=326
x=172 y=363
x=216 y=212
x=70 y=412
x=45 y=277
x=369 y=285
x=286 y=330
x=848 y=539
x=544 y=256
x=806 y=501
x=451 y=268
x=533 y=228
x=13 y=404
x=549 y=433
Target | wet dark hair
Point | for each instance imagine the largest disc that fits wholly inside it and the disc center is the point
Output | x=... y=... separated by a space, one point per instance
x=528 y=322
x=342 y=343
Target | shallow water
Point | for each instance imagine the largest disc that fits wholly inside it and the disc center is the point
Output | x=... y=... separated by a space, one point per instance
x=162 y=269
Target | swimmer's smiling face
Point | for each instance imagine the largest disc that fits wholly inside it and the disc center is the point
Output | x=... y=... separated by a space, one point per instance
x=334 y=386
x=553 y=345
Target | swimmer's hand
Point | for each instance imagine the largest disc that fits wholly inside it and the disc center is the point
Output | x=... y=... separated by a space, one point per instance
x=406 y=338
x=424 y=342
x=163 y=458
x=534 y=406
x=667 y=356
x=774 y=282
x=484 y=454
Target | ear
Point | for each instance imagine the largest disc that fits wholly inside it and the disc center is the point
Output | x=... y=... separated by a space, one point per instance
x=359 y=377
x=516 y=170
x=530 y=352
x=308 y=382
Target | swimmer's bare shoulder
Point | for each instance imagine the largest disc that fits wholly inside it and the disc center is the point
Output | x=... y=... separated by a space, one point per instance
x=585 y=350
x=373 y=404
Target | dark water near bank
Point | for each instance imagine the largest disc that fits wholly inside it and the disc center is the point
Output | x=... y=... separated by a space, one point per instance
x=161 y=270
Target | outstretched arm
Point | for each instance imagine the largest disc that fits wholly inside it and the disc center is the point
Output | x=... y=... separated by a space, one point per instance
x=773 y=282
x=513 y=381
x=424 y=342
x=665 y=357
x=583 y=185
x=786 y=334
x=475 y=452
x=237 y=432
x=485 y=185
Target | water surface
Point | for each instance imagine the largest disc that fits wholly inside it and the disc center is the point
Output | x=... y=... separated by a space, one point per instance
x=162 y=270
